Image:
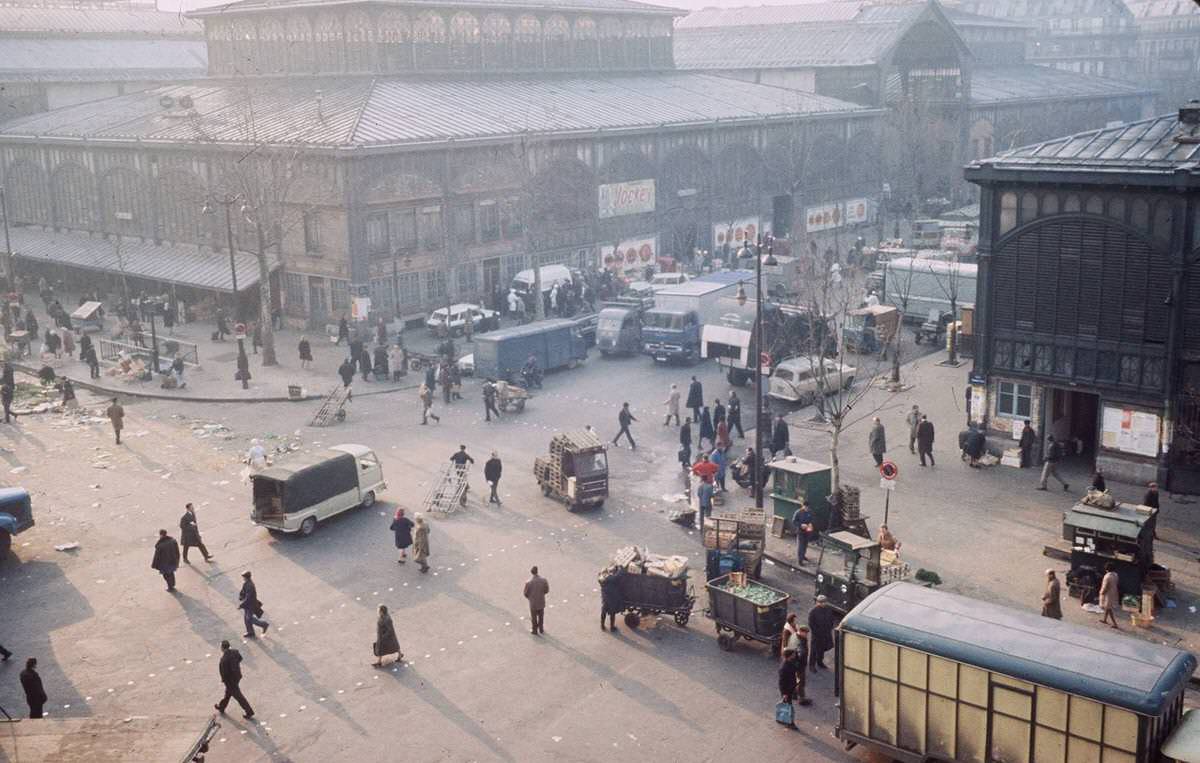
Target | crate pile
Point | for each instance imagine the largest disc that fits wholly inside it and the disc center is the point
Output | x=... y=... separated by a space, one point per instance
x=639 y=561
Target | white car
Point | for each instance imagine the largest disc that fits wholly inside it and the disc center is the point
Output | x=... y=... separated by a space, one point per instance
x=481 y=318
x=797 y=380
x=466 y=364
x=669 y=279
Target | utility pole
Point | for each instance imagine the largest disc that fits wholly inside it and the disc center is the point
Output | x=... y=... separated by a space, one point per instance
x=9 y=260
x=228 y=202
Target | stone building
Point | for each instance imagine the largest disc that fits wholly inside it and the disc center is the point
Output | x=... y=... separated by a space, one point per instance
x=1168 y=48
x=416 y=153
x=1088 y=321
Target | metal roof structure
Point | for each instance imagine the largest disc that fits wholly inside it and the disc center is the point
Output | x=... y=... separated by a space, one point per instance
x=772 y=15
x=90 y=59
x=1030 y=82
x=1124 y=520
x=594 y=6
x=784 y=46
x=1111 y=668
x=109 y=22
x=361 y=112
x=178 y=264
x=1159 y=145
x=1153 y=9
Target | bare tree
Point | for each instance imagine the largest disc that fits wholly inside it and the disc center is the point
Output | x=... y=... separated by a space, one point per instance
x=949 y=280
x=897 y=286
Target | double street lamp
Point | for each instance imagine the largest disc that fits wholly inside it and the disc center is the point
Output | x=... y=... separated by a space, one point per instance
x=756 y=346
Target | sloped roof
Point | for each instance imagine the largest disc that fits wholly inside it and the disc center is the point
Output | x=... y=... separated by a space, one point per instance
x=91 y=59
x=1145 y=146
x=118 y=22
x=783 y=46
x=599 y=6
x=1151 y=9
x=1029 y=82
x=769 y=15
x=358 y=112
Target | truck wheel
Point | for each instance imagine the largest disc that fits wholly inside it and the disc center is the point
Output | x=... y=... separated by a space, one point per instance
x=633 y=619
x=604 y=353
x=307 y=526
x=681 y=618
x=369 y=499
x=725 y=641
x=5 y=542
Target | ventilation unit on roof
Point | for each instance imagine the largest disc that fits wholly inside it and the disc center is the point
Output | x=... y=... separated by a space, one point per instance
x=185 y=102
x=1189 y=123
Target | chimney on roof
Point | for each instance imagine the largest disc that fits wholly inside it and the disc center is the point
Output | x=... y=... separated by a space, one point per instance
x=1189 y=123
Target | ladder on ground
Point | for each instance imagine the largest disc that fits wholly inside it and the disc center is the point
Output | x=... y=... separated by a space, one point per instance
x=332 y=407
x=449 y=492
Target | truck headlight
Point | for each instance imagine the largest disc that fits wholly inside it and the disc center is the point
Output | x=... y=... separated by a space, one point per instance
x=820 y=578
x=843 y=589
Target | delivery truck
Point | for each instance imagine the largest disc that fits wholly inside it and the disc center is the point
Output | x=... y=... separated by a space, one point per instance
x=672 y=330
x=552 y=344
x=788 y=331
x=929 y=285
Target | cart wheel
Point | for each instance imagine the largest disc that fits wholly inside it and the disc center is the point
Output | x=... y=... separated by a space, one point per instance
x=520 y=405
x=725 y=641
x=681 y=618
x=340 y=415
x=633 y=619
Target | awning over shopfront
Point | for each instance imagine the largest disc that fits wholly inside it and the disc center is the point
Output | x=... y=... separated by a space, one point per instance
x=178 y=264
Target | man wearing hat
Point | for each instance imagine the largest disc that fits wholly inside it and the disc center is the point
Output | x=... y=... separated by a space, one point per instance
x=822 y=619
x=251 y=607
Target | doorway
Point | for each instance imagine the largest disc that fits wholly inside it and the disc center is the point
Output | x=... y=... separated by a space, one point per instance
x=1073 y=417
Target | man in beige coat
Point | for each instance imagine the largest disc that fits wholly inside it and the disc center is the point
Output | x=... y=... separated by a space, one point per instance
x=1052 y=597
x=1110 y=594
x=536 y=589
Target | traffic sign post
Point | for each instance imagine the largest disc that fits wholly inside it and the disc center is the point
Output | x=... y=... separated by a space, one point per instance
x=888 y=472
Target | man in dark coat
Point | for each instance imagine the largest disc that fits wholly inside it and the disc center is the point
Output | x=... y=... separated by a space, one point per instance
x=489 y=400
x=685 y=444
x=356 y=351
x=625 y=418
x=343 y=330
x=492 y=468
x=536 y=590
x=346 y=371
x=166 y=558
x=877 y=442
x=611 y=601
x=364 y=362
x=780 y=436
x=925 y=440
x=695 y=399
x=1151 y=497
x=822 y=619
x=189 y=534
x=6 y=397
x=718 y=413
x=1028 y=438
x=251 y=607
x=35 y=693
x=230 y=669
x=802 y=520
x=733 y=417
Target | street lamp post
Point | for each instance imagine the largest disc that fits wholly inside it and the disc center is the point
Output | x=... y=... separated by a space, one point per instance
x=9 y=264
x=228 y=202
x=757 y=347
x=155 y=306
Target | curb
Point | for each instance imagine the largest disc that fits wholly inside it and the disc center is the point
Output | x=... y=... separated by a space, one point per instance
x=116 y=392
x=791 y=567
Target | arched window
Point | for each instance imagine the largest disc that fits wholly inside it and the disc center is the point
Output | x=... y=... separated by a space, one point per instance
x=557 y=35
x=74 y=196
x=124 y=207
x=360 y=41
x=331 y=50
x=180 y=198
x=585 y=43
x=527 y=42
x=301 y=55
x=637 y=44
x=429 y=41
x=611 y=43
x=272 y=44
x=464 y=41
x=26 y=195
x=497 y=42
x=245 y=47
x=395 y=41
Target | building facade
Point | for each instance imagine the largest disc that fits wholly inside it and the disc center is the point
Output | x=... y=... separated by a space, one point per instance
x=1089 y=297
x=419 y=154
x=1168 y=48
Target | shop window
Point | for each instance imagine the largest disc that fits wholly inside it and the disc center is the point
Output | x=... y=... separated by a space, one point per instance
x=1014 y=400
x=293 y=285
x=1131 y=369
x=1152 y=373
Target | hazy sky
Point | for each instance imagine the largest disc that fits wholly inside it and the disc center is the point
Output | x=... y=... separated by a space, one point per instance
x=687 y=5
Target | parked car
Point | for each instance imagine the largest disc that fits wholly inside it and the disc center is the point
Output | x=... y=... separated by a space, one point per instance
x=482 y=318
x=669 y=279
x=797 y=380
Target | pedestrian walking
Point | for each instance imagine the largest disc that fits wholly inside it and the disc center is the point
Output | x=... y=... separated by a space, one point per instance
x=718 y=413
x=401 y=528
x=536 y=590
x=35 y=693
x=1025 y=444
x=489 y=400
x=695 y=399
x=704 y=498
x=4 y=654
x=356 y=350
x=1151 y=497
x=685 y=444
x=189 y=534
x=305 y=350
x=364 y=363
x=421 y=542
x=672 y=403
x=346 y=371
x=877 y=442
x=718 y=457
x=790 y=638
x=68 y=395
x=734 y=414
x=611 y=600
x=1052 y=597
x=6 y=397
x=431 y=377
x=1110 y=594
x=1050 y=467
x=68 y=343
x=385 y=638
x=625 y=418
x=343 y=331
x=166 y=558
x=913 y=419
x=708 y=434
x=780 y=437
x=381 y=332
x=116 y=416
x=461 y=458
x=426 y=395
x=230 y=670
x=822 y=619
x=723 y=443
x=802 y=520
x=85 y=344
x=925 y=440
x=252 y=608
x=93 y=362
x=222 y=325
x=492 y=468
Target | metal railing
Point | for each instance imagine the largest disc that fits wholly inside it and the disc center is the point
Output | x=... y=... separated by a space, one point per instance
x=109 y=350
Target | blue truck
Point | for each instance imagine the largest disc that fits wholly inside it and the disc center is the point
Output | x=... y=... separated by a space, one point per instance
x=671 y=332
x=557 y=343
x=16 y=515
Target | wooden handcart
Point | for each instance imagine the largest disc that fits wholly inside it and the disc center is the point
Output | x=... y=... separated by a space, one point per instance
x=510 y=397
x=332 y=407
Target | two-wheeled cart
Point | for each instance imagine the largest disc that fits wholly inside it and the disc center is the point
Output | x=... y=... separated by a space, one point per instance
x=646 y=594
x=448 y=493
x=744 y=608
x=333 y=407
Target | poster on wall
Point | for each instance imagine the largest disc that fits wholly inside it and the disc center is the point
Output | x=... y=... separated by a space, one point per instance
x=734 y=233
x=837 y=214
x=630 y=257
x=1130 y=430
x=633 y=198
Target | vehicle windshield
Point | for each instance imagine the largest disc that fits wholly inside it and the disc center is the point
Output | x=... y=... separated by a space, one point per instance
x=609 y=324
x=591 y=463
x=664 y=320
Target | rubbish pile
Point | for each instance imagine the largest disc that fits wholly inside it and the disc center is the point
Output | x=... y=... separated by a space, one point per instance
x=637 y=561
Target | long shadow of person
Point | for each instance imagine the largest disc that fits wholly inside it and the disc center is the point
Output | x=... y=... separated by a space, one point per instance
x=424 y=690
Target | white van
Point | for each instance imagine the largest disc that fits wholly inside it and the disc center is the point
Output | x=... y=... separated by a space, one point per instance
x=294 y=496
x=551 y=274
x=797 y=380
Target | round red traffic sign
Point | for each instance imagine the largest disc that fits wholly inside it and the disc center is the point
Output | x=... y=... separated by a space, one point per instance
x=888 y=470
x=765 y=358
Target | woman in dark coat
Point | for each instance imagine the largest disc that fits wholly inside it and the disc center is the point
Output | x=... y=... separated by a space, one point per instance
x=305 y=352
x=706 y=427
x=402 y=528
x=385 y=638
x=611 y=601
x=381 y=363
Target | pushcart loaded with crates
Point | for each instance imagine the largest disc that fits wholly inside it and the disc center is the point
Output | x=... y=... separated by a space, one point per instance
x=648 y=584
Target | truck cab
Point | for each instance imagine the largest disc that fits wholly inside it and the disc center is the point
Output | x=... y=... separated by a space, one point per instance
x=671 y=335
x=619 y=330
x=16 y=515
x=575 y=471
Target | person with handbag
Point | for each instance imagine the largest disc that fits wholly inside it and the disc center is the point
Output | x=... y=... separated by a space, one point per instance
x=385 y=638
x=252 y=609
x=802 y=520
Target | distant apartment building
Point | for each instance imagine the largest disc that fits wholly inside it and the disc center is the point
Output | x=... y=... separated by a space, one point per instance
x=1168 y=49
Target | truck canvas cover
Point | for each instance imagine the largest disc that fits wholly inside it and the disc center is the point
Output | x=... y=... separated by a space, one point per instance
x=312 y=480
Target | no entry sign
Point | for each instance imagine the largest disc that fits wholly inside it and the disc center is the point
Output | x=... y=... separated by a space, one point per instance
x=888 y=470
